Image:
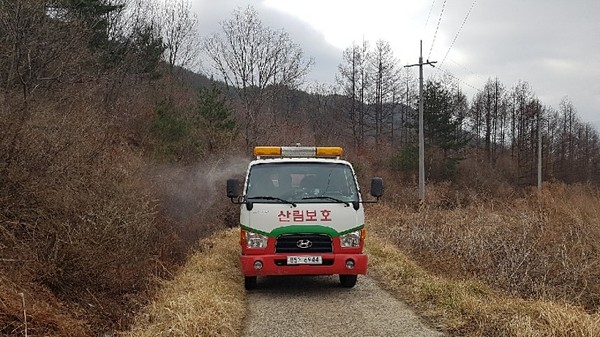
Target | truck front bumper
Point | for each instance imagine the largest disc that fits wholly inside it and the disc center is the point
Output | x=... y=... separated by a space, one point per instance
x=276 y=264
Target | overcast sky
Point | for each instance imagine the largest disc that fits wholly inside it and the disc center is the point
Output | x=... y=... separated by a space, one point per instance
x=551 y=44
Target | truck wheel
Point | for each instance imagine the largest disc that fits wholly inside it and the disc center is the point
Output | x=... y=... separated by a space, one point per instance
x=348 y=281
x=249 y=282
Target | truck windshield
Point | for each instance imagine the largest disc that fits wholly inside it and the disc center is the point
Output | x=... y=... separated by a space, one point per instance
x=300 y=182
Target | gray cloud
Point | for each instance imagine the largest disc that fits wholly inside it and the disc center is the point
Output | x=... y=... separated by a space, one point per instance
x=326 y=57
x=550 y=44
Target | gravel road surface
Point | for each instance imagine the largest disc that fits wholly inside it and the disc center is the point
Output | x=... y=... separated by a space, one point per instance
x=318 y=306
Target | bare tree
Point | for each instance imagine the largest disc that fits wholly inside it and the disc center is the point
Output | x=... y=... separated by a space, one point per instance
x=571 y=148
x=488 y=114
x=349 y=73
x=255 y=61
x=323 y=114
x=407 y=125
x=354 y=78
x=568 y=123
x=364 y=81
x=179 y=32
x=35 y=48
x=385 y=89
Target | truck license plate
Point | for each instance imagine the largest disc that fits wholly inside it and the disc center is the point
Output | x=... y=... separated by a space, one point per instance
x=305 y=259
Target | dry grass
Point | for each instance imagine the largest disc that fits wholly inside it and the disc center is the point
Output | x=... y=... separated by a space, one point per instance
x=543 y=245
x=206 y=297
x=35 y=312
x=470 y=308
x=534 y=259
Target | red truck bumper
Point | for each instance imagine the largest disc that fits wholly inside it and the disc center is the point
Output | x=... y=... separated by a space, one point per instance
x=276 y=264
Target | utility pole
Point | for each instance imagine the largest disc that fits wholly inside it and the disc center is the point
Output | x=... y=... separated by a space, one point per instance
x=421 y=135
x=539 y=154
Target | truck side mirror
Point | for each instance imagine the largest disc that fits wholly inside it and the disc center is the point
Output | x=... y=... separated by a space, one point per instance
x=377 y=187
x=232 y=188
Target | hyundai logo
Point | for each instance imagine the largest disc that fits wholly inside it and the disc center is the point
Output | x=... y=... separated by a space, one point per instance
x=304 y=244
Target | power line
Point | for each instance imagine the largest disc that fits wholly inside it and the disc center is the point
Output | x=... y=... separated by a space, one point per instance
x=428 y=16
x=437 y=28
x=467 y=69
x=458 y=79
x=459 y=30
x=440 y=67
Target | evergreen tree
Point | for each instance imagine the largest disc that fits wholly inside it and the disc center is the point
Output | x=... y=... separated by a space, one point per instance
x=442 y=117
x=214 y=117
x=147 y=48
x=95 y=14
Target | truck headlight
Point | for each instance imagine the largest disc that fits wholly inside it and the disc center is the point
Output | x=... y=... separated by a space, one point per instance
x=255 y=240
x=351 y=239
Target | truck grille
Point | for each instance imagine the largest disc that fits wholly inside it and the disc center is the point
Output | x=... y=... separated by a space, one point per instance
x=303 y=243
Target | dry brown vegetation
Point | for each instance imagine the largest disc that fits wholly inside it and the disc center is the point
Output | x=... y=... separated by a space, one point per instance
x=86 y=222
x=205 y=298
x=85 y=227
x=520 y=266
x=471 y=308
x=76 y=217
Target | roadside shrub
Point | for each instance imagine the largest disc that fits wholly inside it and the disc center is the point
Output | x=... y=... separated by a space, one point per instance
x=407 y=160
x=171 y=134
x=543 y=245
x=76 y=215
x=469 y=307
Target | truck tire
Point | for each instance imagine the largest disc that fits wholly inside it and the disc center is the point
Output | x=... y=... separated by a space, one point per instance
x=348 y=281
x=249 y=282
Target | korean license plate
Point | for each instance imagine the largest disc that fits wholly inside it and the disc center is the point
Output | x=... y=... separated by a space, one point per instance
x=305 y=259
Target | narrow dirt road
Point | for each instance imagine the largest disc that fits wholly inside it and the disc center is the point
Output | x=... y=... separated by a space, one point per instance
x=319 y=307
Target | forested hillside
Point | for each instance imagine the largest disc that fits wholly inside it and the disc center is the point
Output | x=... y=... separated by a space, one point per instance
x=97 y=128
x=114 y=149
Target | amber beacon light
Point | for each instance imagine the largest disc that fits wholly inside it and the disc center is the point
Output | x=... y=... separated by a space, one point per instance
x=298 y=151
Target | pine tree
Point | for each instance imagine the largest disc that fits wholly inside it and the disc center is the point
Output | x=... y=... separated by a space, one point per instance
x=214 y=117
x=441 y=118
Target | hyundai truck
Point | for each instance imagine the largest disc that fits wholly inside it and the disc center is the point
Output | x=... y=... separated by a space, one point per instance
x=301 y=213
